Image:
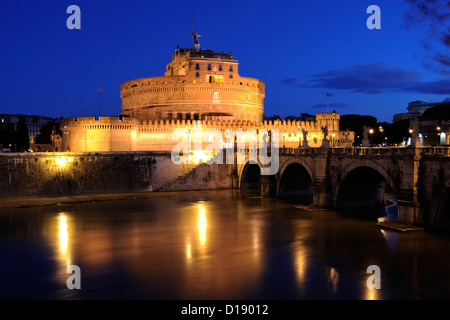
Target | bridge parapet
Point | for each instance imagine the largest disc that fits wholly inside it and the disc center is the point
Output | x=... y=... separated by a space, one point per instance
x=356 y=151
x=436 y=151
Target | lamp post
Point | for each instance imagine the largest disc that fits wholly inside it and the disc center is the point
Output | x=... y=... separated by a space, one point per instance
x=410 y=132
x=382 y=135
x=370 y=139
x=438 y=128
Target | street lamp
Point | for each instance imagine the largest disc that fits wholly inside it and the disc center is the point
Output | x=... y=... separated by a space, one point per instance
x=438 y=128
x=382 y=135
x=370 y=132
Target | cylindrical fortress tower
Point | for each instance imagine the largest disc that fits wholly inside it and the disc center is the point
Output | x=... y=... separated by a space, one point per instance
x=198 y=85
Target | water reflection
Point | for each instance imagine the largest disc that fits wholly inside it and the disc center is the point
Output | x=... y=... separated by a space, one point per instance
x=391 y=238
x=215 y=245
x=300 y=265
x=333 y=280
x=371 y=294
x=202 y=224
x=188 y=252
x=63 y=235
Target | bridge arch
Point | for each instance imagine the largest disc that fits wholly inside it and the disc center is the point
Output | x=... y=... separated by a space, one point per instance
x=249 y=176
x=295 y=181
x=368 y=190
x=442 y=212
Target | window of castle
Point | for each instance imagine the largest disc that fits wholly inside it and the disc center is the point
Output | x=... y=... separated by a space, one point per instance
x=214 y=79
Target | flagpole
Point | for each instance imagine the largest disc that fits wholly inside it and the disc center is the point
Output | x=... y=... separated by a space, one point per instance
x=99 y=90
x=327 y=100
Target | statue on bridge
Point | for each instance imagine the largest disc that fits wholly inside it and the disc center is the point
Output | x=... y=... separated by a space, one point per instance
x=264 y=141
x=305 y=140
x=325 y=141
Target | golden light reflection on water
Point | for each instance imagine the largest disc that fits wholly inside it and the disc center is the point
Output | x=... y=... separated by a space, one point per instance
x=371 y=294
x=333 y=279
x=63 y=238
x=202 y=224
x=220 y=266
x=188 y=252
x=300 y=265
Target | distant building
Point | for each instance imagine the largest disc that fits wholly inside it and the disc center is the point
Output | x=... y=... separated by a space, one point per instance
x=34 y=123
x=415 y=110
x=434 y=125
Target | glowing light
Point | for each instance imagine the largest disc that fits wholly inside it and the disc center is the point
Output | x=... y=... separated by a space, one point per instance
x=134 y=135
x=188 y=251
x=63 y=161
x=200 y=156
x=371 y=294
x=202 y=224
x=214 y=79
x=371 y=131
x=410 y=130
x=333 y=279
x=63 y=235
x=300 y=267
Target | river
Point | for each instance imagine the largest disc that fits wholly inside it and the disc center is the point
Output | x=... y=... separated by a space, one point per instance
x=213 y=245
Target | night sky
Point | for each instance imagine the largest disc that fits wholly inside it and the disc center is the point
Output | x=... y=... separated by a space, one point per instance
x=300 y=49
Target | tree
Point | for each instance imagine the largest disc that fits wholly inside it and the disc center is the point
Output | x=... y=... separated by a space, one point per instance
x=44 y=136
x=23 y=139
x=398 y=131
x=355 y=123
x=8 y=137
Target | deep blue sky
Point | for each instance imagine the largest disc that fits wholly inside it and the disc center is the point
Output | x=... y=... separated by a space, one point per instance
x=300 y=49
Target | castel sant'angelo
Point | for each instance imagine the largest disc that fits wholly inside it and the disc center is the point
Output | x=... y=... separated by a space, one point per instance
x=199 y=87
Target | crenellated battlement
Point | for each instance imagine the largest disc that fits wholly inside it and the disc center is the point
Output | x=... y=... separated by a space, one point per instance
x=84 y=134
x=121 y=122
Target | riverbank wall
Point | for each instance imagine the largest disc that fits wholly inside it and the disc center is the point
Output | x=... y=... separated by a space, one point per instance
x=59 y=174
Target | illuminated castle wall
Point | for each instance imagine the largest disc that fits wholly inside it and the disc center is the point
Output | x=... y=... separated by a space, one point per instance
x=199 y=87
x=86 y=134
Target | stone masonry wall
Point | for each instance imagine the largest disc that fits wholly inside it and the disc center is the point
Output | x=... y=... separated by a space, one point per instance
x=54 y=174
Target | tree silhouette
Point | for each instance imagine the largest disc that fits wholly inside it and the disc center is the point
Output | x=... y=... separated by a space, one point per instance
x=23 y=139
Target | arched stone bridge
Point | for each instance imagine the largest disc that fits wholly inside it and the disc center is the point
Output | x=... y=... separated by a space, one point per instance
x=361 y=179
